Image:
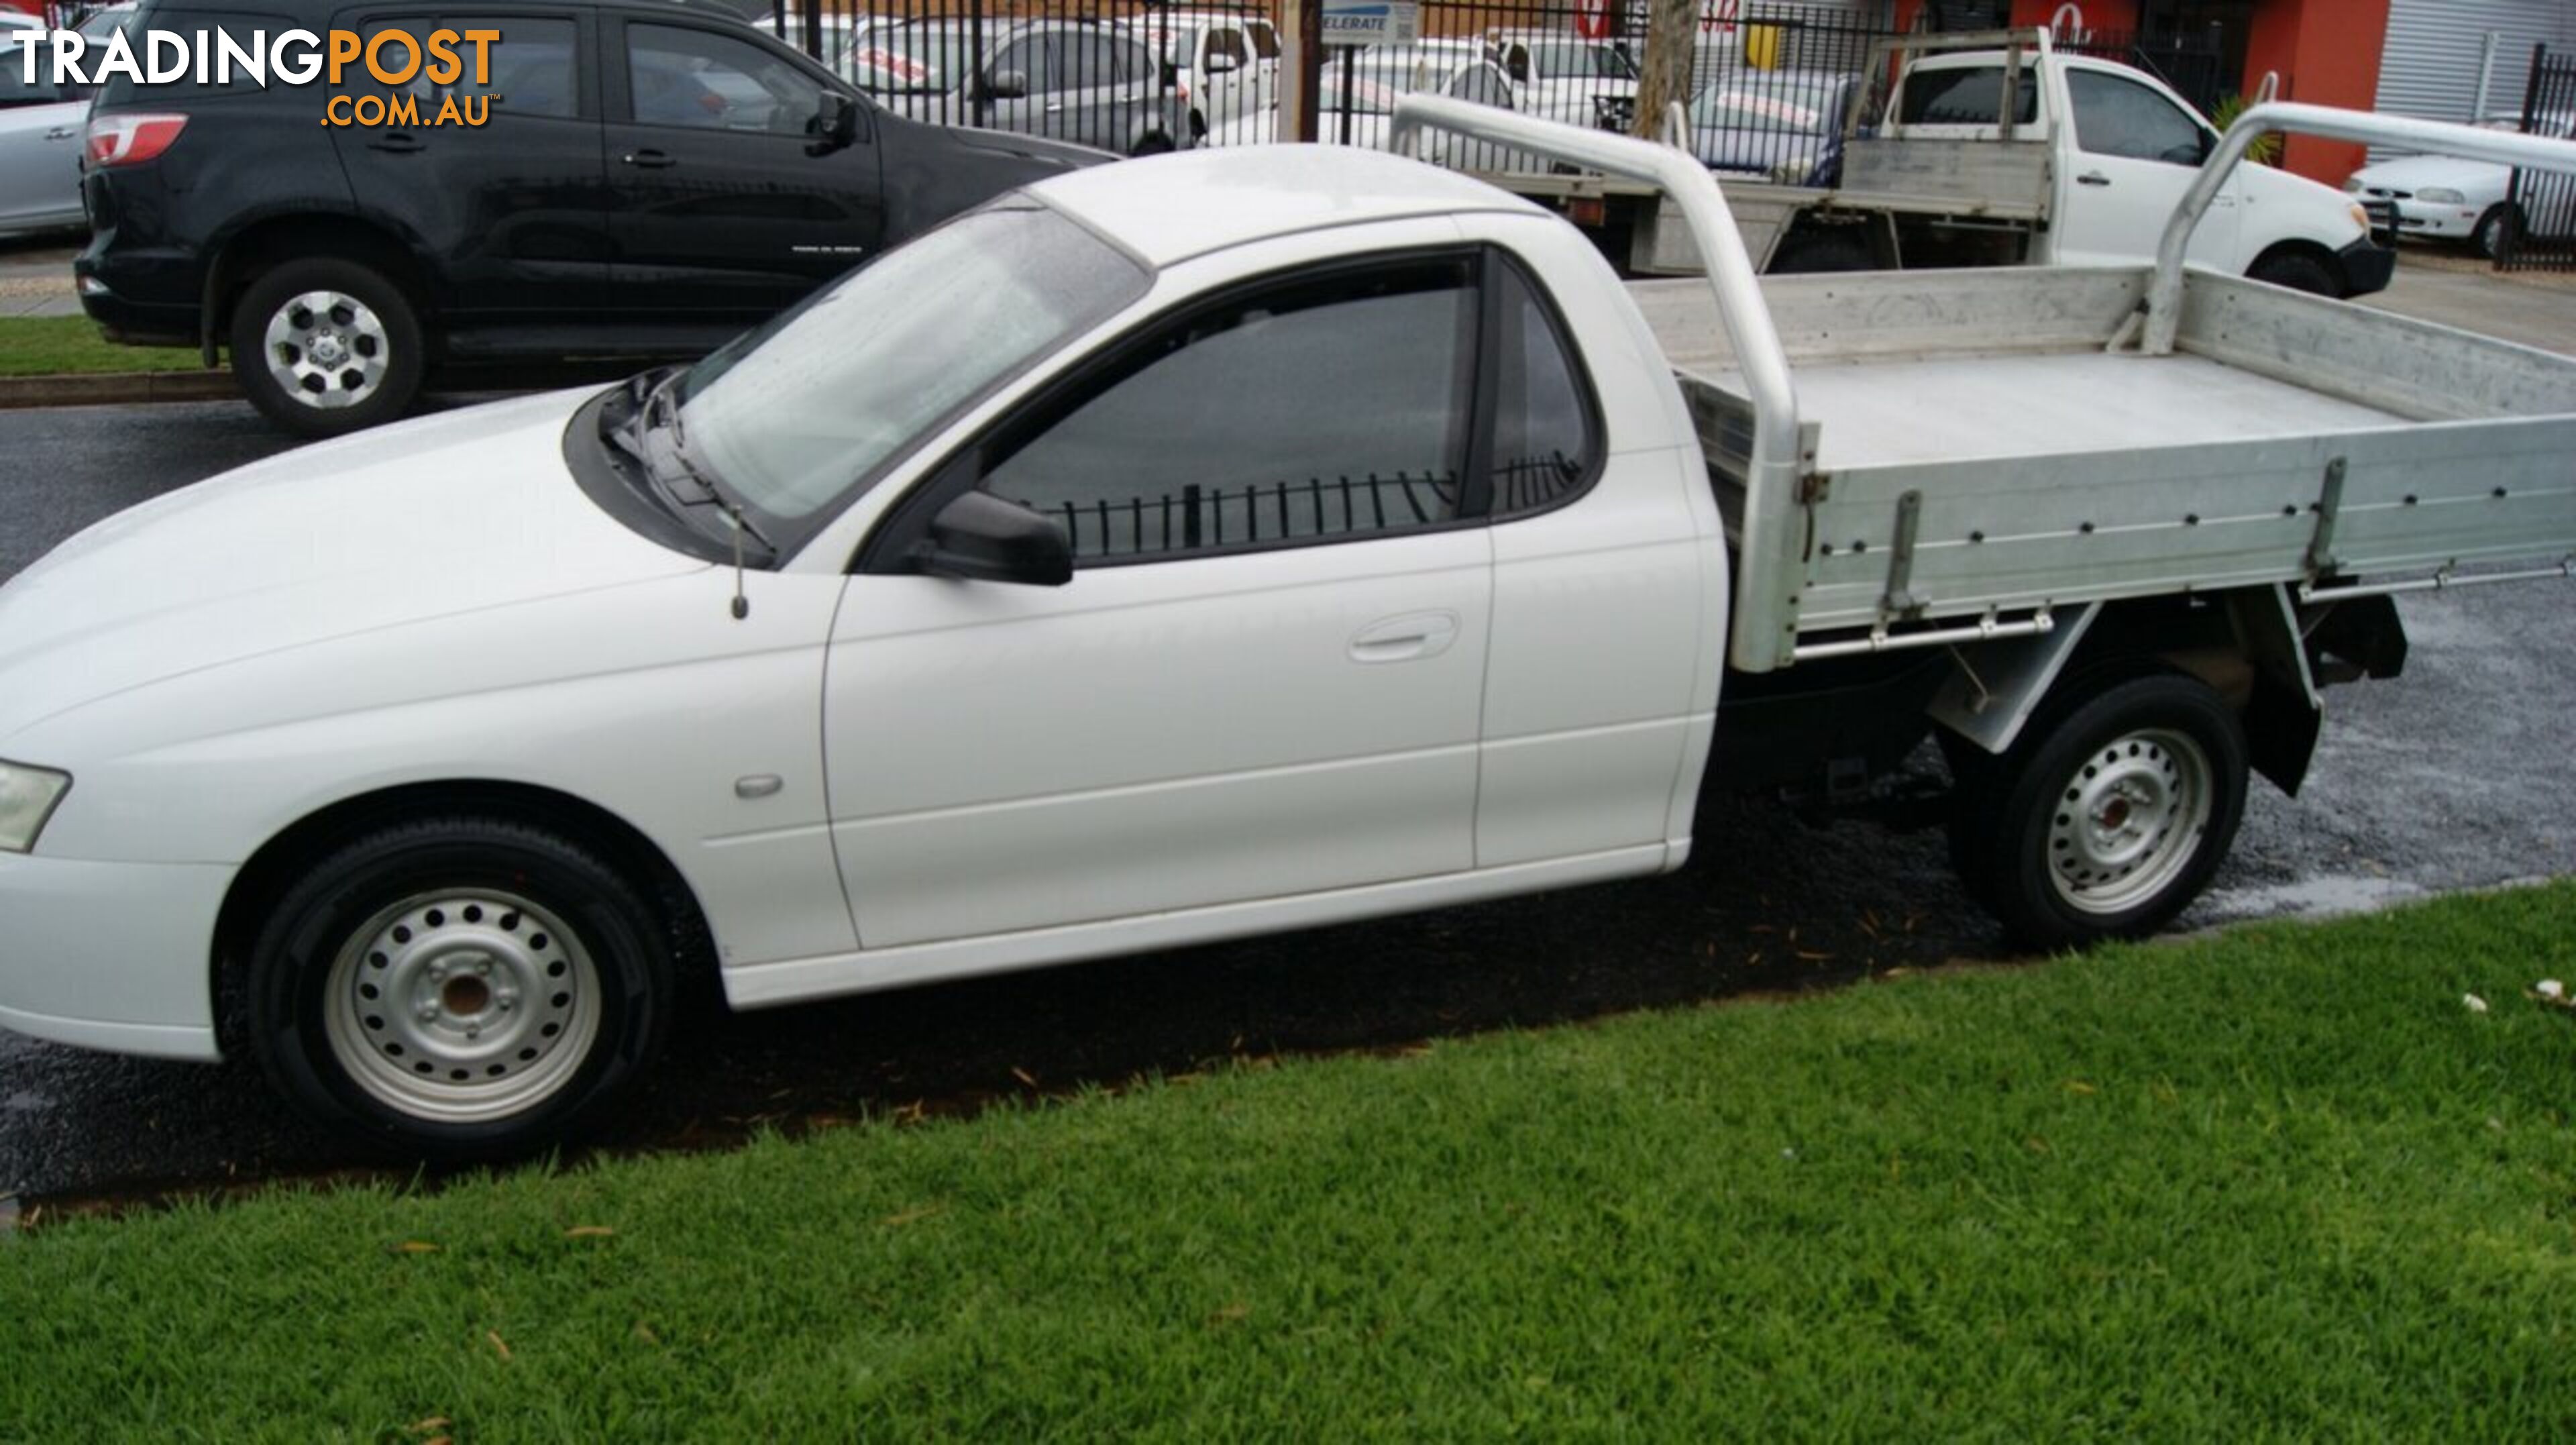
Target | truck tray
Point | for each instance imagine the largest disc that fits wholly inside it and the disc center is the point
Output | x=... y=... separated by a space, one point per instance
x=1986 y=442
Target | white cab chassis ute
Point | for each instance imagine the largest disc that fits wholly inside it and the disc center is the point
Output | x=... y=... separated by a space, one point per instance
x=1113 y=569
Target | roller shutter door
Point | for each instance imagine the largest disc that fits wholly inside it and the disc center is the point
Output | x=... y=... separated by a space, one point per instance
x=2430 y=65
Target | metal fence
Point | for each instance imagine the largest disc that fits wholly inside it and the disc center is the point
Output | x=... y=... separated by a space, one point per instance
x=2542 y=234
x=1770 y=82
x=1124 y=75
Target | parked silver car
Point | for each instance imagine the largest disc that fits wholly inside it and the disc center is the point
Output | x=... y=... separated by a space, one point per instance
x=40 y=144
x=1074 y=80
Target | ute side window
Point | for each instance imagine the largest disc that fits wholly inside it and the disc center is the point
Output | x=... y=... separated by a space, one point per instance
x=2116 y=117
x=1329 y=408
x=1547 y=431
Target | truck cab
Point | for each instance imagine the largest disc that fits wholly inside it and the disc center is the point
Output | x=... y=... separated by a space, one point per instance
x=2125 y=147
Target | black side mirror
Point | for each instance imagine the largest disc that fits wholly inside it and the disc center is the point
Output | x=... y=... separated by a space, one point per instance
x=980 y=536
x=836 y=123
x=1006 y=85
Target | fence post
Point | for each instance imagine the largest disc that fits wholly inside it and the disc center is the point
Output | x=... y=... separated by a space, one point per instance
x=1666 y=80
x=2509 y=255
x=1301 y=78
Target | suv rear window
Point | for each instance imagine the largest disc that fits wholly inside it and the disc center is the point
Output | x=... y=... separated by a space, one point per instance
x=1966 y=96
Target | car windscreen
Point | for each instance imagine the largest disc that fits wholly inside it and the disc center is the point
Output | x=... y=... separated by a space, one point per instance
x=807 y=409
x=1569 y=60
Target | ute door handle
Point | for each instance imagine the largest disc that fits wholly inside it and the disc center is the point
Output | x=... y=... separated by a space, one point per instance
x=651 y=160
x=2092 y=178
x=400 y=142
x=1407 y=638
x=62 y=132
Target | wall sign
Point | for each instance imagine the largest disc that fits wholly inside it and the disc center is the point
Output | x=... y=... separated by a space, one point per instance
x=1372 y=22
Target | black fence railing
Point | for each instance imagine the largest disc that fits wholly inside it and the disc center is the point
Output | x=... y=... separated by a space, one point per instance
x=1126 y=76
x=1770 y=82
x=2541 y=234
x=1196 y=518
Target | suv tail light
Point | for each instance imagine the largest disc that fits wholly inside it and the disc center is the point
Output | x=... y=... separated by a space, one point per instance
x=130 y=140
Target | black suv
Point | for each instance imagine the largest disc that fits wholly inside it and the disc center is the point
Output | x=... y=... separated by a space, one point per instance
x=652 y=178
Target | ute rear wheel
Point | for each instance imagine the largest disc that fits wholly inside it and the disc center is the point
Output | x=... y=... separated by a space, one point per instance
x=2108 y=816
x=460 y=988
x=324 y=347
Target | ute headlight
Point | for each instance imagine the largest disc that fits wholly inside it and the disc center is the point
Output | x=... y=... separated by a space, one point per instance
x=2360 y=217
x=2352 y=186
x=2441 y=196
x=27 y=799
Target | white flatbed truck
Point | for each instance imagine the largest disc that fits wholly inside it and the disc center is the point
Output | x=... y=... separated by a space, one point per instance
x=1104 y=572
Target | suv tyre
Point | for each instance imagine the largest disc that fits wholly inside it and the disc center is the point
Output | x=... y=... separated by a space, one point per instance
x=324 y=347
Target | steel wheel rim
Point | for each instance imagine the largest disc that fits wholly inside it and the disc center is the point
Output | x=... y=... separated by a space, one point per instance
x=2129 y=820
x=462 y=1006
x=327 y=349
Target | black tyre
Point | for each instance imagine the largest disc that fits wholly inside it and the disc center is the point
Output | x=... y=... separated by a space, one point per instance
x=324 y=347
x=2299 y=272
x=1832 y=248
x=2108 y=816
x=2494 y=231
x=459 y=988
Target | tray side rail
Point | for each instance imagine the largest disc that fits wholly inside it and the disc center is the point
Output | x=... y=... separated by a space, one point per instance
x=2008 y=535
x=2507 y=148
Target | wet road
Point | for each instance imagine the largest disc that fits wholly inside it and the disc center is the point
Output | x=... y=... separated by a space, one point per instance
x=2450 y=777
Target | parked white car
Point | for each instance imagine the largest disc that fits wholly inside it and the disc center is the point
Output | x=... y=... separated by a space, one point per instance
x=1562 y=76
x=1224 y=63
x=2448 y=198
x=40 y=146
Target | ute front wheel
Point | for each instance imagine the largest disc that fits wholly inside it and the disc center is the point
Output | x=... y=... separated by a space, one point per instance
x=460 y=988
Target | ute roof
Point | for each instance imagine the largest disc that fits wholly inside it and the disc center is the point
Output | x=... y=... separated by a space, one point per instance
x=1170 y=208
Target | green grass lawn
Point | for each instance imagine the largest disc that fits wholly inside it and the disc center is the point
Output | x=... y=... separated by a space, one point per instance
x=55 y=345
x=2279 y=1184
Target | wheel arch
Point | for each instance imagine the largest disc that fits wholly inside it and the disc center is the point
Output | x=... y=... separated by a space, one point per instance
x=2260 y=652
x=272 y=239
x=277 y=863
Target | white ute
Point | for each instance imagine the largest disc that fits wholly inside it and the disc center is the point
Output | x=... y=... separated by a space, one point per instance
x=1109 y=570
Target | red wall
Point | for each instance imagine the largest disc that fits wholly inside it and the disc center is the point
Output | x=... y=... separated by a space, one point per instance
x=2119 y=15
x=2327 y=52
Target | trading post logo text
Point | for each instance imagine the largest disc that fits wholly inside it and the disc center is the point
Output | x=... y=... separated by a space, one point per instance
x=393 y=58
